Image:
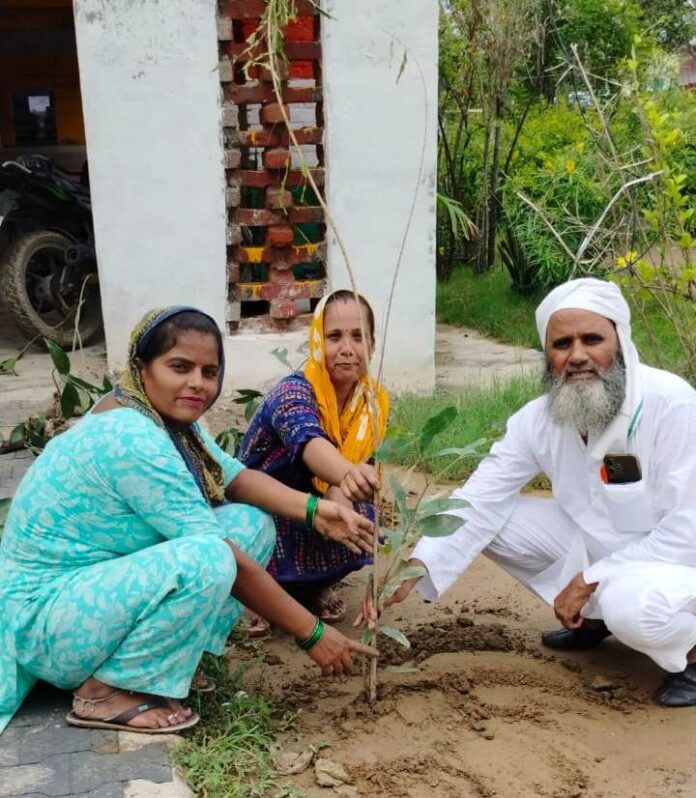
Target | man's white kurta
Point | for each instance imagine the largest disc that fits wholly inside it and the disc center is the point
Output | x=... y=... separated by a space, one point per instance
x=651 y=521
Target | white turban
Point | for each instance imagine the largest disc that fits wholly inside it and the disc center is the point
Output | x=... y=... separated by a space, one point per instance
x=604 y=298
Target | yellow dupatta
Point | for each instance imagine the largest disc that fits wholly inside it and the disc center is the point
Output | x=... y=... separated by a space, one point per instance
x=353 y=431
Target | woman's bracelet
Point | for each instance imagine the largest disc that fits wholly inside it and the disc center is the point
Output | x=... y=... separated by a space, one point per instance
x=314 y=638
x=310 y=512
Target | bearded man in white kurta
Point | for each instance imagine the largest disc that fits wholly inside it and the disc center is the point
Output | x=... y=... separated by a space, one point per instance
x=611 y=558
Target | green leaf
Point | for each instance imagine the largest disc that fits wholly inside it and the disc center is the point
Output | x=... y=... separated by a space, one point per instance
x=69 y=399
x=395 y=634
x=60 y=360
x=86 y=400
x=407 y=667
x=402 y=66
x=472 y=450
x=397 y=441
x=410 y=572
x=4 y=509
x=439 y=526
x=437 y=506
x=399 y=494
x=251 y=408
x=8 y=366
x=282 y=356
x=247 y=395
x=435 y=425
x=17 y=434
x=107 y=385
x=87 y=386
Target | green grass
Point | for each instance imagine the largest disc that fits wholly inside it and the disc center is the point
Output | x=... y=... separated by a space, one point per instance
x=487 y=303
x=228 y=754
x=482 y=412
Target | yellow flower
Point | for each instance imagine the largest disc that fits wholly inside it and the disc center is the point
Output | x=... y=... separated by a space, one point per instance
x=631 y=256
x=580 y=147
x=570 y=166
x=621 y=262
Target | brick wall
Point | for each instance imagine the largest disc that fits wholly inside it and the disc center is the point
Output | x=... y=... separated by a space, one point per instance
x=275 y=228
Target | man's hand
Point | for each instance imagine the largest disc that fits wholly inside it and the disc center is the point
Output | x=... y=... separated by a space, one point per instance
x=345 y=526
x=333 y=652
x=368 y=612
x=359 y=482
x=571 y=600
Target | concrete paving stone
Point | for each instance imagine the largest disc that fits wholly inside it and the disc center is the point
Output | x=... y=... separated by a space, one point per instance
x=46 y=705
x=9 y=747
x=48 y=778
x=40 y=742
x=90 y=770
x=113 y=790
x=148 y=789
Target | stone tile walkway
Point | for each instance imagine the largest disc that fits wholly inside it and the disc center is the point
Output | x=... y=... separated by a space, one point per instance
x=41 y=756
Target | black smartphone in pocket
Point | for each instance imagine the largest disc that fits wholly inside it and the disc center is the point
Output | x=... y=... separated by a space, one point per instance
x=622 y=468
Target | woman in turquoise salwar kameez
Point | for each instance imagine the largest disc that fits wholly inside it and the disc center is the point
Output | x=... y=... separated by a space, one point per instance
x=133 y=541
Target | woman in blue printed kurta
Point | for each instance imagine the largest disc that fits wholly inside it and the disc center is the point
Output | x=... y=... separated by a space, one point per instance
x=317 y=431
x=127 y=535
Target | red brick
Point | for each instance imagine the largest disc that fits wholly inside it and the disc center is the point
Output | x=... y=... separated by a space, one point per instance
x=277 y=158
x=262 y=93
x=306 y=215
x=260 y=179
x=280 y=273
x=280 y=236
x=232 y=272
x=257 y=217
x=253 y=9
x=295 y=51
x=304 y=135
x=283 y=309
x=278 y=200
x=258 y=138
x=272 y=114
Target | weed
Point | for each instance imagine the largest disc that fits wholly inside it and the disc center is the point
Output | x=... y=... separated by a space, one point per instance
x=228 y=755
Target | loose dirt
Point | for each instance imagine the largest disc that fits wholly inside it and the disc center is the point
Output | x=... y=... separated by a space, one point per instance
x=476 y=707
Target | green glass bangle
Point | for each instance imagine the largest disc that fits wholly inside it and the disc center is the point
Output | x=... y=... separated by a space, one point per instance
x=312 y=504
x=314 y=638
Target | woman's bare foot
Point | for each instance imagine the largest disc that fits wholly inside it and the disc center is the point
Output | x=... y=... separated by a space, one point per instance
x=95 y=700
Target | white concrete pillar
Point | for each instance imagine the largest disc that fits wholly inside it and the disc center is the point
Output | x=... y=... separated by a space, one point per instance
x=373 y=144
x=151 y=99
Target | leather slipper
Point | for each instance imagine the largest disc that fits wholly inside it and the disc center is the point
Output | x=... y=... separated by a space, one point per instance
x=119 y=723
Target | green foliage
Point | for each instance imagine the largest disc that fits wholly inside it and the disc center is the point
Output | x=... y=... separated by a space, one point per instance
x=228 y=755
x=4 y=510
x=482 y=412
x=74 y=395
x=488 y=303
x=604 y=31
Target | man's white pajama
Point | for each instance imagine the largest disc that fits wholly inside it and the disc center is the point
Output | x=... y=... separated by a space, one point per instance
x=638 y=541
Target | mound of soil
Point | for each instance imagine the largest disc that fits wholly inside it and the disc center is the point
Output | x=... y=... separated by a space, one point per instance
x=475 y=707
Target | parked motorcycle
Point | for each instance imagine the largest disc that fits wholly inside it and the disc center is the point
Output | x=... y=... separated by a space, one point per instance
x=48 y=265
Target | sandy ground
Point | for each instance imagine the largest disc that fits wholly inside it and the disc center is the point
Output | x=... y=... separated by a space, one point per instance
x=486 y=711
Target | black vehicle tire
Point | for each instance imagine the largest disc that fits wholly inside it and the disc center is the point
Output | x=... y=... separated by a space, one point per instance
x=57 y=324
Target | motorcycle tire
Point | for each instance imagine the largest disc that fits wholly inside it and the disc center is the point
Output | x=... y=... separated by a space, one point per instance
x=17 y=274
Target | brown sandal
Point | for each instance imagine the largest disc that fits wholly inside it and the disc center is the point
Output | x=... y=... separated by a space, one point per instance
x=120 y=721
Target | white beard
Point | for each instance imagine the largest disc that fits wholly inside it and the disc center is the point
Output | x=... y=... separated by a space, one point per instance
x=588 y=404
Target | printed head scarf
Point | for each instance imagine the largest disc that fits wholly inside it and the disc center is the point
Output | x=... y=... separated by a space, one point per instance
x=130 y=392
x=353 y=430
x=604 y=298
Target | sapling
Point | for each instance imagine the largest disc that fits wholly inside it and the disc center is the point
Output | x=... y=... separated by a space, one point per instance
x=266 y=49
